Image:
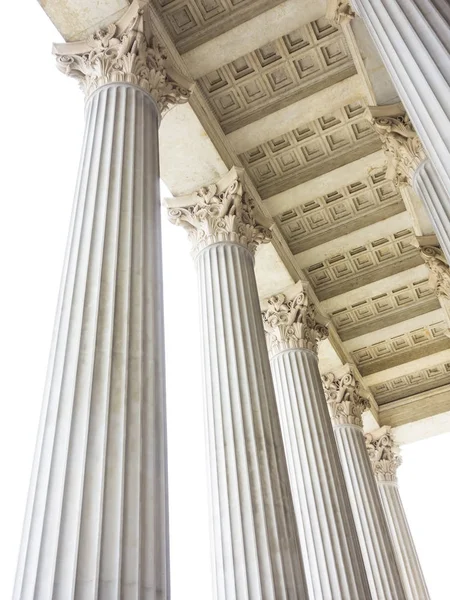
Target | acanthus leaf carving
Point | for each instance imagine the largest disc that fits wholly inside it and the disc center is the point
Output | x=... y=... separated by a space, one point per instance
x=400 y=141
x=127 y=53
x=292 y=323
x=384 y=454
x=221 y=215
x=439 y=278
x=339 y=12
x=345 y=401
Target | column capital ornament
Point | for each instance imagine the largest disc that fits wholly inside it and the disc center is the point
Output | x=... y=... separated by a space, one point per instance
x=400 y=142
x=221 y=212
x=291 y=321
x=345 y=401
x=124 y=52
x=434 y=258
x=340 y=12
x=384 y=454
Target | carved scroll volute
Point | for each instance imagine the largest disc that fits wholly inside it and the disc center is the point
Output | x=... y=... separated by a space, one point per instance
x=125 y=52
x=399 y=139
x=345 y=401
x=291 y=321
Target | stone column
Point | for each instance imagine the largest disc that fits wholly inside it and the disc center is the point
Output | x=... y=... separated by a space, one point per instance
x=439 y=278
x=96 y=524
x=408 y=165
x=412 y=37
x=255 y=539
x=385 y=459
x=333 y=561
x=346 y=405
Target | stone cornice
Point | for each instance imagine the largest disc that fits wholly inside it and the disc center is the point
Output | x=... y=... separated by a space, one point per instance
x=345 y=401
x=383 y=454
x=401 y=143
x=291 y=321
x=221 y=212
x=124 y=52
x=339 y=12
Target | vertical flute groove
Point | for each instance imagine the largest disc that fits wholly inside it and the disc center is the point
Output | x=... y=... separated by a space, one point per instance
x=96 y=527
x=257 y=555
x=406 y=554
x=376 y=546
x=333 y=560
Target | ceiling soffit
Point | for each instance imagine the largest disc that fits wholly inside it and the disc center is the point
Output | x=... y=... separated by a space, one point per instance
x=402 y=348
x=279 y=73
x=311 y=150
x=364 y=264
x=411 y=384
x=194 y=22
x=384 y=310
x=340 y=212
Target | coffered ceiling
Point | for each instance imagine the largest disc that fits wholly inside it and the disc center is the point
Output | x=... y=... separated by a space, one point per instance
x=282 y=92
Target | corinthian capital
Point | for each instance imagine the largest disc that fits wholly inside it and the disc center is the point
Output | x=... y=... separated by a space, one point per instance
x=290 y=321
x=345 y=401
x=383 y=453
x=221 y=212
x=339 y=12
x=439 y=278
x=124 y=52
x=400 y=141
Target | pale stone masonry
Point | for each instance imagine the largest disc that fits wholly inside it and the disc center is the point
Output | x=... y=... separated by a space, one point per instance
x=385 y=459
x=306 y=145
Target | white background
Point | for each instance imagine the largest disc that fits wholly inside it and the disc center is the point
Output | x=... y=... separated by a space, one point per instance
x=41 y=132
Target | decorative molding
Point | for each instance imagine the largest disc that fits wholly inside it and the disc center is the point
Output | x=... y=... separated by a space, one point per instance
x=363 y=264
x=439 y=279
x=400 y=141
x=412 y=384
x=401 y=348
x=340 y=212
x=124 y=52
x=277 y=74
x=382 y=310
x=291 y=321
x=340 y=12
x=345 y=401
x=384 y=454
x=194 y=22
x=332 y=140
x=221 y=212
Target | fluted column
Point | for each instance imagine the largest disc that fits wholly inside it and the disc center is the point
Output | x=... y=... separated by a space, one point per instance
x=255 y=540
x=409 y=165
x=412 y=39
x=436 y=199
x=333 y=561
x=96 y=525
x=346 y=405
x=385 y=459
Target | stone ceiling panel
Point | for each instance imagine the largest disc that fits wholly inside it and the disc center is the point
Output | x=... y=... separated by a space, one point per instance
x=362 y=265
x=385 y=309
x=289 y=68
x=402 y=348
x=359 y=204
x=311 y=150
x=411 y=384
x=193 y=22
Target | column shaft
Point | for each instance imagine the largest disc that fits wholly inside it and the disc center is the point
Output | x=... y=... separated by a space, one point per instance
x=257 y=555
x=436 y=200
x=96 y=522
x=333 y=560
x=407 y=559
x=373 y=533
x=412 y=37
